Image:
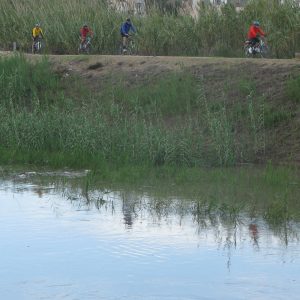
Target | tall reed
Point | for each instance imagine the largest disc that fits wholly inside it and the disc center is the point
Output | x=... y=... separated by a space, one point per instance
x=212 y=32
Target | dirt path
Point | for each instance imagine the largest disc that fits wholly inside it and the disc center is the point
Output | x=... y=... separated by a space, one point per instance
x=99 y=65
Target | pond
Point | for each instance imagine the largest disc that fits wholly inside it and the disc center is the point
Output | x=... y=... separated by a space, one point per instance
x=60 y=240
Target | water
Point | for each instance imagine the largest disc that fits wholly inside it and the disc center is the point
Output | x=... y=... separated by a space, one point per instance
x=57 y=243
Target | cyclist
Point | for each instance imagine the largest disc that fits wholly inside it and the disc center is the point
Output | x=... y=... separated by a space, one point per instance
x=126 y=27
x=37 y=33
x=85 y=31
x=254 y=33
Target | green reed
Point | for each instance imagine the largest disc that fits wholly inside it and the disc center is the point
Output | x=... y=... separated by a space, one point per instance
x=213 y=32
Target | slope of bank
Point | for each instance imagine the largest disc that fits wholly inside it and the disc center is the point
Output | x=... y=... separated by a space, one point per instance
x=229 y=79
x=159 y=110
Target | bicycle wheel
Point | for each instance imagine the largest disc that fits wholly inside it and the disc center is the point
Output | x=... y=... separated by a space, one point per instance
x=247 y=51
x=88 y=49
x=37 y=47
x=119 y=48
x=264 y=51
x=132 y=49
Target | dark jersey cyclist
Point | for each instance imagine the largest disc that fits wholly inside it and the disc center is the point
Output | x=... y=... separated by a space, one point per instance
x=126 y=27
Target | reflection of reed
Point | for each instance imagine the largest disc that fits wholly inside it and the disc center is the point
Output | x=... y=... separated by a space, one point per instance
x=205 y=214
x=220 y=205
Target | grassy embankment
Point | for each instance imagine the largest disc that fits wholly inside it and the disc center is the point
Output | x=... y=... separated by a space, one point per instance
x=213 y=33
x=170 y=120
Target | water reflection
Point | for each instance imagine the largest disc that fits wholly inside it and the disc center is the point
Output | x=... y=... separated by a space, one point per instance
x=128 y=214
x=227 y=223
x=81 y=242
x=136 y=206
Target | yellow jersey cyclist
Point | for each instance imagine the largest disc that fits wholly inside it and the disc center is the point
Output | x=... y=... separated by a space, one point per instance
x=37 y=33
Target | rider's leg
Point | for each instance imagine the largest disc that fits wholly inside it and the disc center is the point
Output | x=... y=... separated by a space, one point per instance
x=252 y=42
x=255 y=42
x=33 y=44
x=82 y=42
x=124 y=42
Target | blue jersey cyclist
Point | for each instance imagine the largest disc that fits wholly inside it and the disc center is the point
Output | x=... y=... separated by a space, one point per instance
x=124 y=31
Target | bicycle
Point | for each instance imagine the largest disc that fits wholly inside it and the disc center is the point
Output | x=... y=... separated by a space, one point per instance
x=37 y=46
x=86 y=46
x=131 y=48
x=259 y=49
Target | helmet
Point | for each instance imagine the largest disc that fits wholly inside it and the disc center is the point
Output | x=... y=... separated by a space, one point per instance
x=128 y=20
x=256 y=23
x=37 y=25
x=85 y=25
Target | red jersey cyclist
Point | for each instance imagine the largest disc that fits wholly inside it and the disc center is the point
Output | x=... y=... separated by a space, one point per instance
x=254 y=33
x=85 y=32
